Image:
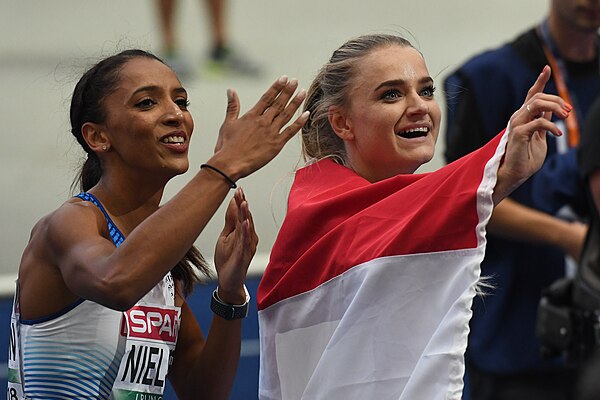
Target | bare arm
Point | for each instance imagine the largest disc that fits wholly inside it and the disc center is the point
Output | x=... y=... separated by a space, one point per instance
x=514 y=221
x=205 y=366
x=94 y=270
x=209 y=367
x=117 y=278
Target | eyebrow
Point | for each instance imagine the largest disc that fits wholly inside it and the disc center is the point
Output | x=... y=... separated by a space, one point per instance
x=152 y=88
x=402 y=82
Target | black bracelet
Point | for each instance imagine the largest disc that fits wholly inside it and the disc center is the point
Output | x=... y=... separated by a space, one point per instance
x=230 y=181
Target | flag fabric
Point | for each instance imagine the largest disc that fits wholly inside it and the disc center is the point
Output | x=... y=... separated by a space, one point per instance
x=369 y=288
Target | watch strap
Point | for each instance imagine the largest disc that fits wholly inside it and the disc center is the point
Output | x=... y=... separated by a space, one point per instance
x=229 y=311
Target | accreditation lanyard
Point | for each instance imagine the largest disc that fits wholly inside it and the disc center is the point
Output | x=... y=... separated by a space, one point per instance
x=560 y=75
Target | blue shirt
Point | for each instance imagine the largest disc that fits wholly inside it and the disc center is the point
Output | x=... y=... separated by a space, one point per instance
x=481 y=97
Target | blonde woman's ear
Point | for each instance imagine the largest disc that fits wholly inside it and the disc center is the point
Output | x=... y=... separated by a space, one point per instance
x=340 y=123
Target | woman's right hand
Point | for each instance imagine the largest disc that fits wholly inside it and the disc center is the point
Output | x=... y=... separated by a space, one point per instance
x=249 y=142
x=526 y=146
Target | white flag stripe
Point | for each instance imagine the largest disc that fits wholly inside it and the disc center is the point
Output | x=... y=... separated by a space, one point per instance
x=390 y=319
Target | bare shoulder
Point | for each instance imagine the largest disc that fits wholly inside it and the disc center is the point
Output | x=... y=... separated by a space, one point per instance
x=62 y=223
x=73 y=220
x=42 y=287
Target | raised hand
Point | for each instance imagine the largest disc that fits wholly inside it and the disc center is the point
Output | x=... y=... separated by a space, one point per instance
x=234 y=249
x=256 y=137
x=526 y=147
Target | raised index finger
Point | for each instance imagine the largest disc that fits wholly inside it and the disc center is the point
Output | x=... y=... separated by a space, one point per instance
x=269 y=96
x=540 y=83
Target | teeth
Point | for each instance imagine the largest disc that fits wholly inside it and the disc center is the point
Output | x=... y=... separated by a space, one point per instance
x=414 y=132
x=420 y=129
x=173 y=139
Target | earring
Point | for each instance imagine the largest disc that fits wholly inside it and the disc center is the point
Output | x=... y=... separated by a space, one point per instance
x=104 y=148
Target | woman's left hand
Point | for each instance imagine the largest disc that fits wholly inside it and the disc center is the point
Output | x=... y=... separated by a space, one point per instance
x=526 y=147
x=234 y=250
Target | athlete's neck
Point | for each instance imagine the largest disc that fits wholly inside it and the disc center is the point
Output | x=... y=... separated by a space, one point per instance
x=127 y=207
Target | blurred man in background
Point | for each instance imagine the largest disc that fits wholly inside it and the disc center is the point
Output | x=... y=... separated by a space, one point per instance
x=526 y=247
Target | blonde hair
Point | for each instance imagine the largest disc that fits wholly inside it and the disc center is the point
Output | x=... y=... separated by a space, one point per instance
x=330 y=88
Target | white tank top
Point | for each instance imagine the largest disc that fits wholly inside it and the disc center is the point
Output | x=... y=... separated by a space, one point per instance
x=89 y=351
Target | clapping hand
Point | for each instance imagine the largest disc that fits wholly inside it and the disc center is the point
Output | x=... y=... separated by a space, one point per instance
x=234 y=250
x=256 y=137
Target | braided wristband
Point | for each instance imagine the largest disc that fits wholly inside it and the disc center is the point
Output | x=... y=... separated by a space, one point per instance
x=230 y=181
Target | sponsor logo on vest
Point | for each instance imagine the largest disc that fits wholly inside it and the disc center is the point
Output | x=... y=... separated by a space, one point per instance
x=152 y=323
x=151 y=337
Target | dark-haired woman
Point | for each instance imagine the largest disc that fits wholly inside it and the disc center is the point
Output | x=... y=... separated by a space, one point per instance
x=100 y=310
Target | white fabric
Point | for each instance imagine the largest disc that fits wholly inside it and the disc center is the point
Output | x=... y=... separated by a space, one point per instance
x=382 y=330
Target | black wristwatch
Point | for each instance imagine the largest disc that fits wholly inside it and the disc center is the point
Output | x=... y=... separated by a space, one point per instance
x=229 y=311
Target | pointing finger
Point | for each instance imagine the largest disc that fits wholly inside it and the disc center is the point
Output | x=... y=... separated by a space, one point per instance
x=540 y=83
